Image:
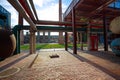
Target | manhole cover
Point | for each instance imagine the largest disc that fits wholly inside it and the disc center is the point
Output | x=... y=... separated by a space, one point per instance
x=54 y=56
x=9 y=72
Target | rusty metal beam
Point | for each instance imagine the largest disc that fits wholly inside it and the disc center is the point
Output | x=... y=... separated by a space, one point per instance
x=74 y=32
x=33 y=7
x=66 y=41
x=26 y=6
x=60 y=10
x=101 y=7
x=105 y=33
x=20 y=19
x=58 y=23
x=18 y=7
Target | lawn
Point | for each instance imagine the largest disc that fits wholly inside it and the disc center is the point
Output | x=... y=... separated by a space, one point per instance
x=48 y=46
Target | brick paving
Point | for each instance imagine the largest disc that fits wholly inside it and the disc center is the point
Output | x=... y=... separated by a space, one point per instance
x=65 y=67
x=106 y=60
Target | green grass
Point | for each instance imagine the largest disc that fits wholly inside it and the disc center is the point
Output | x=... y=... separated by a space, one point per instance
x=24 y=47
x=48 y=46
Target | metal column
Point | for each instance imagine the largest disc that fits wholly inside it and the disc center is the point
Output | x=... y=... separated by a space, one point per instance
x=74 y=32
x=81 y=40
x=49 y=37
x=61 y=41
x=88 y=37
x=105 y=33
x=32 y=42
x=20 y=22
x=66 y=43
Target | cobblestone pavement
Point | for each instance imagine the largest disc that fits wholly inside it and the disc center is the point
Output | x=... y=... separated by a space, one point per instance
x=64 y=67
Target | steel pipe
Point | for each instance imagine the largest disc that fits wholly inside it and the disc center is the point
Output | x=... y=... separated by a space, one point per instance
x=26 y=6
x=34 y=10
x=41 y=22
x=20 y=9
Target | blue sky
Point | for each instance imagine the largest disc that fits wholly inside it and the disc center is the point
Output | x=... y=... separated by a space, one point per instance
x=46 y=9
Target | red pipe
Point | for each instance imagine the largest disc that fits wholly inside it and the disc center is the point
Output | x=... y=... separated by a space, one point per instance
x=58 y=23
x=27 y=8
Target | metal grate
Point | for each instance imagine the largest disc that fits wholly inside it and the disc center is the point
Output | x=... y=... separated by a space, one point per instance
x=54 y=56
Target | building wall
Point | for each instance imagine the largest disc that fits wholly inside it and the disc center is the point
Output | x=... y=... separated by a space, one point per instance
x=7 y=22
x=41 y=39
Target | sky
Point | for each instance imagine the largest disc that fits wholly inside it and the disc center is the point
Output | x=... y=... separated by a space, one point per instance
x=46 y=10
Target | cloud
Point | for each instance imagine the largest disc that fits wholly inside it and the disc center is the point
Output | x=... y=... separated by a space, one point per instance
x=40 y=3
x=49 y=10
x=46 y=10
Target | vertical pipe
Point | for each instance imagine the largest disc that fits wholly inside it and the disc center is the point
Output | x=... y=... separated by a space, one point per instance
x=31 y=42
x=34 y=43
x=78 y=37
x=105 y=33
x=60 y=10
x=38 y=37
x=81 y=40
x=18 y=41
x=49 y=37
x=17 y=36
x=20 y=22
x=43 y=37
x=61 y=41
x=88 y=37
x=74 y=32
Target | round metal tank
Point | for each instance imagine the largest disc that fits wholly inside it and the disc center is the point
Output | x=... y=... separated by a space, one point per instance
x=115 y=46
x=7 y=43
x=115 y=25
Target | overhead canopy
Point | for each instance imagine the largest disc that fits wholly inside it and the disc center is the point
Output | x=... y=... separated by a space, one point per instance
x=93 y=10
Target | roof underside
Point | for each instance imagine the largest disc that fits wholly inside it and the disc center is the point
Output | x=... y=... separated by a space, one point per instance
x=93 y=10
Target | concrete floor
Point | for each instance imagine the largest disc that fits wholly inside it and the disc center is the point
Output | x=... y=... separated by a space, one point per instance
x=84 y=66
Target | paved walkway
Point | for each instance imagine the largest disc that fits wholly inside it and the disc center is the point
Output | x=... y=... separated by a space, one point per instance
x=65 y=67
x=106 y=61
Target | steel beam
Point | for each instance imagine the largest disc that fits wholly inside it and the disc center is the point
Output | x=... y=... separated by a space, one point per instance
x=20 y=22
x=40 y=22
x=19 y=8
x=105 y=33
x=74 y=32
x=60 y=40
x=101 y=7
x=26 y=6
x=66 y=41
x=33 y=7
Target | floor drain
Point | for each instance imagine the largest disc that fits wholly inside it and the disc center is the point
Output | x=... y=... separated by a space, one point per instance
x=54 y=56
x=9 y=72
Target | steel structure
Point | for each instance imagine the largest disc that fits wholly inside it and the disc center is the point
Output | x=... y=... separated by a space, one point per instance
x=80 y=14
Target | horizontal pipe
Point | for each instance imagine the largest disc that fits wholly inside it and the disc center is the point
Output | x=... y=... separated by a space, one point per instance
x=40 y=22
x=18 y=7
x=57 y=28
